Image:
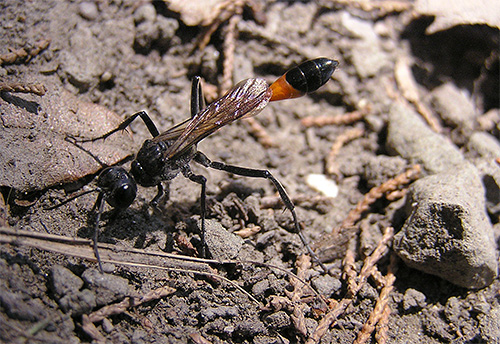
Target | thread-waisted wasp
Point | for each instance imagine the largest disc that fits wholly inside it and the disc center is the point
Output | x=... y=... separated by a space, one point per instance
x=167 y=154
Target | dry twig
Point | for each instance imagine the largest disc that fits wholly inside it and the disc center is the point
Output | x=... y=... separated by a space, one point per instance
x=119 y=308
x=348 y=135
x=258 y=131
x=382 y=326
x=368 y=267
x=38 y=89
x=303 y=264
x=380 y=7
x=382 y=302
x=347 y=118
x=374 y=194
x=24 y=54
x=409 y=90
x=197 y=338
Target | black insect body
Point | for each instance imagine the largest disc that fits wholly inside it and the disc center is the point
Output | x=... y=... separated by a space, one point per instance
x=163 y=157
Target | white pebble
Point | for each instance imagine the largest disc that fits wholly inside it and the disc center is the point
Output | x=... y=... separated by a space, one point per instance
x=323 y=184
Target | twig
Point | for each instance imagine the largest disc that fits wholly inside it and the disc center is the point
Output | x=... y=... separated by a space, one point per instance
x=199 y=339
x=24 y=54
x=128 y=302
x=118 y=308
x=380 y=7
x=341 y=140
x=408 y=88
x=368 y=267
x=228 y=50
x=382 y=326
x=373 y=195
x=382 y=302
x=38 y=89
x=347 y=118
x=303 y=264
x=259 y=133
x=349 y=263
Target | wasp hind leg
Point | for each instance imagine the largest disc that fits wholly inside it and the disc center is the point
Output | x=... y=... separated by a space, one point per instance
x=203 y=160
x=199 y=179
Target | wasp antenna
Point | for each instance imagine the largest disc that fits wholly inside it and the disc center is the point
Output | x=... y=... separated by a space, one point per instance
x=305 y=78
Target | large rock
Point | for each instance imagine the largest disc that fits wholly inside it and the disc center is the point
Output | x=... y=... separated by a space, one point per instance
x=448 y=233
x=409 y=136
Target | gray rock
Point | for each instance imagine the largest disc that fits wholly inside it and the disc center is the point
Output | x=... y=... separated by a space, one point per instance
x=484 y=145
x=378 y=169
x=454 y=106
x=221 y=244
x=326 y=285
x=448 y=233
x=278 y=320
x=64 y=281
x=21 y=307
x=79 y=302
x=368 y=58
x=490 y=175
x=108 y=288
x=411 y=138
x=209 y=314
x=413 y=299
x=82 y=64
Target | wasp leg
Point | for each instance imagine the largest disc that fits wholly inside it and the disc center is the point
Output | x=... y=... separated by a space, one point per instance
x=99 y=207
x=197 y=99
x=254 y=173
x=144 y=116
x=159 y=195
x=199 y=179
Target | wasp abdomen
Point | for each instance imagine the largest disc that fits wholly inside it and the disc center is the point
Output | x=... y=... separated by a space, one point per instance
x=305 y=78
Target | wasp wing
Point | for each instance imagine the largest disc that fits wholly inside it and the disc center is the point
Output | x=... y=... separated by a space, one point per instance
x=245 y=99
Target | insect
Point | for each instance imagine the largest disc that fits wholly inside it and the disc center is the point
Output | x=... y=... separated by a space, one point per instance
x=167 y=154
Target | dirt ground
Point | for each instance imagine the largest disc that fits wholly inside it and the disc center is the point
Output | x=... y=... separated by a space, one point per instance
x=102 y=61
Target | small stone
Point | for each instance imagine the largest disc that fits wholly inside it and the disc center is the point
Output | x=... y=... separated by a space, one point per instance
x=78 y=302
x=108 y=288
x=64 y=281
x=489 y=326
x=221 y=244
x=278 y=320
x=413 y=299
x=326 y=285
x=484 y=145
x=454 y=106
x=88 y=10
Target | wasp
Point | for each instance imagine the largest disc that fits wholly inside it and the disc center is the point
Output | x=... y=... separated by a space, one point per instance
x=169 y=153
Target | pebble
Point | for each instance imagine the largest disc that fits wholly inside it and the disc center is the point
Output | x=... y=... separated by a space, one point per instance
x=64 y=281
x=484 y=145
x=454 y=106
x=278 y=320
x=221 y=244
x=108 y=288
x=413 y=299
x=326 y=285
x=88 y=10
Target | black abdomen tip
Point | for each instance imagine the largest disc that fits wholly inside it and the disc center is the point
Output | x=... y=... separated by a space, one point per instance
x=311 y=75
